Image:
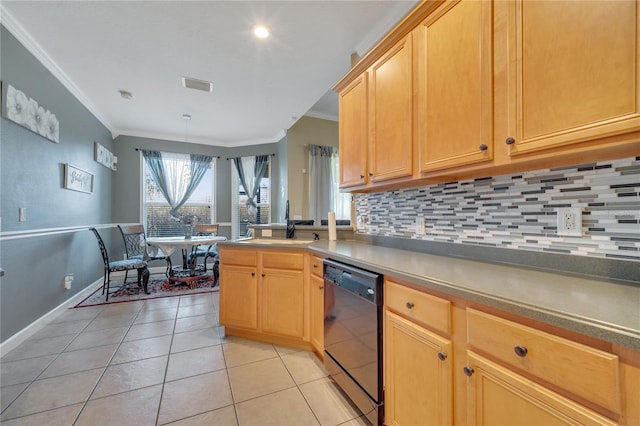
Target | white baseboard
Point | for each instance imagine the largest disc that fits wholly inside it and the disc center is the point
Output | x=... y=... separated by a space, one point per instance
x=12 y=342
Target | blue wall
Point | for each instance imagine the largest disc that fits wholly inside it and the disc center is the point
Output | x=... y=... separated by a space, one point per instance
x=31 y=176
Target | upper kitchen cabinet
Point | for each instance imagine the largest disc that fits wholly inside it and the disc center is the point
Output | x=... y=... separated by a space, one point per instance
x=573 y=72
x=454 y=53
x=352 y=131
x=391 y=114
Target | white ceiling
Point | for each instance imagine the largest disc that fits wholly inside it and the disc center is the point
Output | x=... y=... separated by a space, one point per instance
x=261 y=87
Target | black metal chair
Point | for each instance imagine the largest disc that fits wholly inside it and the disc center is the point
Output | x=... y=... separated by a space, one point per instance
x=121 y=265
x=135 y=246
x=210 y=251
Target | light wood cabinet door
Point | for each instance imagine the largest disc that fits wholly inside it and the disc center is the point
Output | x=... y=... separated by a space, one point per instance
x=317 y=314
x=391 y=114
x=454 y=55
x=239 y=296
x=352 y=133
x=498 y=396
x=282 y=302
x=574 y=73
x=418 y=375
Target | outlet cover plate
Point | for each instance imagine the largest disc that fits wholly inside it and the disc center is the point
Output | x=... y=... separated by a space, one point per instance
x=570 y=221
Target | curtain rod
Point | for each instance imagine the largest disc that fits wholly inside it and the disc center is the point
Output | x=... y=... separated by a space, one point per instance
x=174 y=152
x=270 y=155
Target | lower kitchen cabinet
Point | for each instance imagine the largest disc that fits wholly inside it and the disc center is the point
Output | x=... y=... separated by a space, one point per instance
x=498 y=396
x=317 y=306
x=418 y=375
x=264 y=294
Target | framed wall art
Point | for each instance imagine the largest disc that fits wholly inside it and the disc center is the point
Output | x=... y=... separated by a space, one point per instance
x=25 y=111
x=77 y=179
x=105 y=157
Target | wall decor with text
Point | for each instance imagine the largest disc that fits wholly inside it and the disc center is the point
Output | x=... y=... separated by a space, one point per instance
x=21 y=109
x=77 y=179
x=105 y=157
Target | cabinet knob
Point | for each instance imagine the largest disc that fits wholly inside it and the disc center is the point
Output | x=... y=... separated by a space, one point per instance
x=521 y=351
x=370 y=174
x=409 y=305
x=483 y=147
x=263 y=275
x=442 y=356
x=253 y=274
x=320 y=287
x=361 y=176
x=315 y=266
x=510 y=141
x=468 y=371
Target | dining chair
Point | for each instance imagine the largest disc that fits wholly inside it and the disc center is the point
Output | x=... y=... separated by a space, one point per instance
x=121 y=265
x=135 y=246
x=210 y=251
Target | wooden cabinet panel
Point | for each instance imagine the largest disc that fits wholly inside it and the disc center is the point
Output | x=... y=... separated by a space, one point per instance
x=244 y=257
x=576 y=71
x=391 y=114
x=454 y=52
x=317 y=313
x=418 y=375
x=239 y=296
x=497 y=396
x=353 y=133
x=589 y=373
x=316 y=266
x=423 y=308
x=282 y=260
x=283 y=302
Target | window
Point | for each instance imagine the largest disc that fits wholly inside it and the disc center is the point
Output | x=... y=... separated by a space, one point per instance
x=342 y=201
x=243 y=215
x=155 y=209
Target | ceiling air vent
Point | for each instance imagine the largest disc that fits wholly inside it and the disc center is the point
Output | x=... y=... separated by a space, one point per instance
x=192 y=83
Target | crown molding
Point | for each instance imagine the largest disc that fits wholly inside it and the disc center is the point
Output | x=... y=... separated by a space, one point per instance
x=210 y=142
x=18 y=31
x=321 y=115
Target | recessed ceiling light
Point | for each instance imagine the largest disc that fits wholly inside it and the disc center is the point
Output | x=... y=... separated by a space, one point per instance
x=186 y=117
x=125 y=94
x=261 y=31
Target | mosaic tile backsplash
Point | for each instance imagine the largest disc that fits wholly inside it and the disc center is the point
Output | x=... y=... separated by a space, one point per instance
x=519 y=211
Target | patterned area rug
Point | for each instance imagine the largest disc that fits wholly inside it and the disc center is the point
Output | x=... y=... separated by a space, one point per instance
x=158 y=287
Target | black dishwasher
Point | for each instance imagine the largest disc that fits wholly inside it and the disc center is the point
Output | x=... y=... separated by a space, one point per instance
x=353 y=335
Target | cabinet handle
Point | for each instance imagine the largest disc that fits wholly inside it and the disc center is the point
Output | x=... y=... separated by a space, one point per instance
x=442 y=356
x=510 y=141
x=521 y=351
x=468 y=371
x=315 y=266
x=410 y=305
x=483 y=147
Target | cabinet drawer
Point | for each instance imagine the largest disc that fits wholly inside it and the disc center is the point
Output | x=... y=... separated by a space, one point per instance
x=238 y=257
x=431 y=311
x=282 y=260
x=583 y=371
x=316 y=266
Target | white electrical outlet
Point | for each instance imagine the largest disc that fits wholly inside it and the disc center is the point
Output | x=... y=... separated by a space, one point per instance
x=420 y=224
x=68 y=279
x=267 y=233
x=570 y=221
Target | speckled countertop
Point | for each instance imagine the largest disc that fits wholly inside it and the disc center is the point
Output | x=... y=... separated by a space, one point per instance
x=608 y=310
x=604 y=309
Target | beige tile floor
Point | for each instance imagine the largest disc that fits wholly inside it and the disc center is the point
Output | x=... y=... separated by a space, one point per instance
x=162 y=361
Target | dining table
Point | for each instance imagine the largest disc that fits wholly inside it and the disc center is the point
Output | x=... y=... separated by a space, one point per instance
x=189 y=272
